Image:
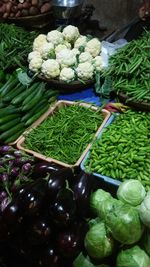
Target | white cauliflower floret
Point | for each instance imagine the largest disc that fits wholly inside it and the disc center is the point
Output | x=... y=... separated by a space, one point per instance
x=85 y=71
x=50 y=68
x=70 y=33
x=35 y=64
x=81 y=41
x=33 y=54
x=75 y=51
x=98 y=63
x=55 y=37
x=66 y=58
x=67 y=74
x=85 y=56
x=47 y=49
x=38 y=42
x=60 y=47
x=93 y=47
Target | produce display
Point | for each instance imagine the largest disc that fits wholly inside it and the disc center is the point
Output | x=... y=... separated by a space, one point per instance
x=21 y=105
x=45 y=215
x=123 y=151
x=15 y=169
x=129 y=69
x=14 y=46
x=65 y=134
x=15 y=9
x=51 y=216
x=66 y=55
x=117 y=235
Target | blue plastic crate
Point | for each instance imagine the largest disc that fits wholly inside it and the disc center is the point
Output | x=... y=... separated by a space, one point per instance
x=106 y=179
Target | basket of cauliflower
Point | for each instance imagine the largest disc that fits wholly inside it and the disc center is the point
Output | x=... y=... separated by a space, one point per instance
x=66 y=59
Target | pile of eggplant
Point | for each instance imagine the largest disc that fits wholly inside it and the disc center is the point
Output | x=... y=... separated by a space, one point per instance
x=45 y=221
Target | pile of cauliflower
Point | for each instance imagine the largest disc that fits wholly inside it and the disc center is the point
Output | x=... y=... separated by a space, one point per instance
x=66 y=55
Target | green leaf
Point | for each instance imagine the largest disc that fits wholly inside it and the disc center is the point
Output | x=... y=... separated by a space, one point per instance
x=23 y=77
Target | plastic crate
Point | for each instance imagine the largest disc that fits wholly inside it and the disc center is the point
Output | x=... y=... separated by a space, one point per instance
x=104 y=178
x=58 y=104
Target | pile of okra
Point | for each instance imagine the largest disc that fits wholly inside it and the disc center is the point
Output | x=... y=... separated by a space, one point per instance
x=129 y=69
x=123 y=150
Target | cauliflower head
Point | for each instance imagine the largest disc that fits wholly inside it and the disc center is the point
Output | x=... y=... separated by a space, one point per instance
x=85 y=56
x=70 y=33
x=60 y=47
x=46 y=50
x=98 y=63
x=35 y=64
x=81 y=41
x=33 y=54
x=93 y=47
x=75 y=51
x=66 y=58
x=55 y=37
x=50 y=68
x=67 y=74
x=38 y=42
x=85 y=71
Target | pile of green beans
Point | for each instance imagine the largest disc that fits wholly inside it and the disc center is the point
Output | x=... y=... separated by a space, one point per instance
x=123 y=150
x=65 y=135
x=129 y=69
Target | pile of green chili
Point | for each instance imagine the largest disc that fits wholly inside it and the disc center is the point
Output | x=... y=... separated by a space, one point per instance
x=129 y=69
x=15 y=45
x=123 y=150
x=65 y=134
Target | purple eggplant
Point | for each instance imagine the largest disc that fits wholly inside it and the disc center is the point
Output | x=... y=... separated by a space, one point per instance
x=39 y=232
x=41 y=169
x=82 y=190
x=70 y=241
x=49 y=257
x=57 y=181
x=4 y=149
x=31 y=199
x=12 y=216
x=63 y=210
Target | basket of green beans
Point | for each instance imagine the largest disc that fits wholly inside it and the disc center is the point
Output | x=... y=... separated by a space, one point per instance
x=129 y=69
x=64 y=134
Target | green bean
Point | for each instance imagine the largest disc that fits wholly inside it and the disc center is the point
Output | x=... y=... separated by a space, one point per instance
x=66 y=134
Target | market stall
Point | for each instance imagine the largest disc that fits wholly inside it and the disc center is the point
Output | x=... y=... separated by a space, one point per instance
x=74 y=146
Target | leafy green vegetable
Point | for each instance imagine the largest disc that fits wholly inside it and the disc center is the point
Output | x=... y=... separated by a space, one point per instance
x=96 y=200
x=131 y=192
x=84 y=261
x=145 y=242
x=133 y=257
x=144 y=210
x=124 y=223
x=98 y=242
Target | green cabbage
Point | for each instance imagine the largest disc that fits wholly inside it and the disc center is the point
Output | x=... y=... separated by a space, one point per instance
x=124 y=223
x=144 y=210
x=146 y=241
x=133 y=257
x=131 y=192
x=96 y=200
x=98 y=241
x=84 y=261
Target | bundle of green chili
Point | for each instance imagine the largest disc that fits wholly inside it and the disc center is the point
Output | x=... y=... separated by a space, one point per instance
x=66 y=134
x=15 y=44
x=129 y=69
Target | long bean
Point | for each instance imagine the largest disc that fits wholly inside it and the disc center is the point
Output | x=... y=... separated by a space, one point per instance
x=15 y=44
x=129 y=69
x=65 y=135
